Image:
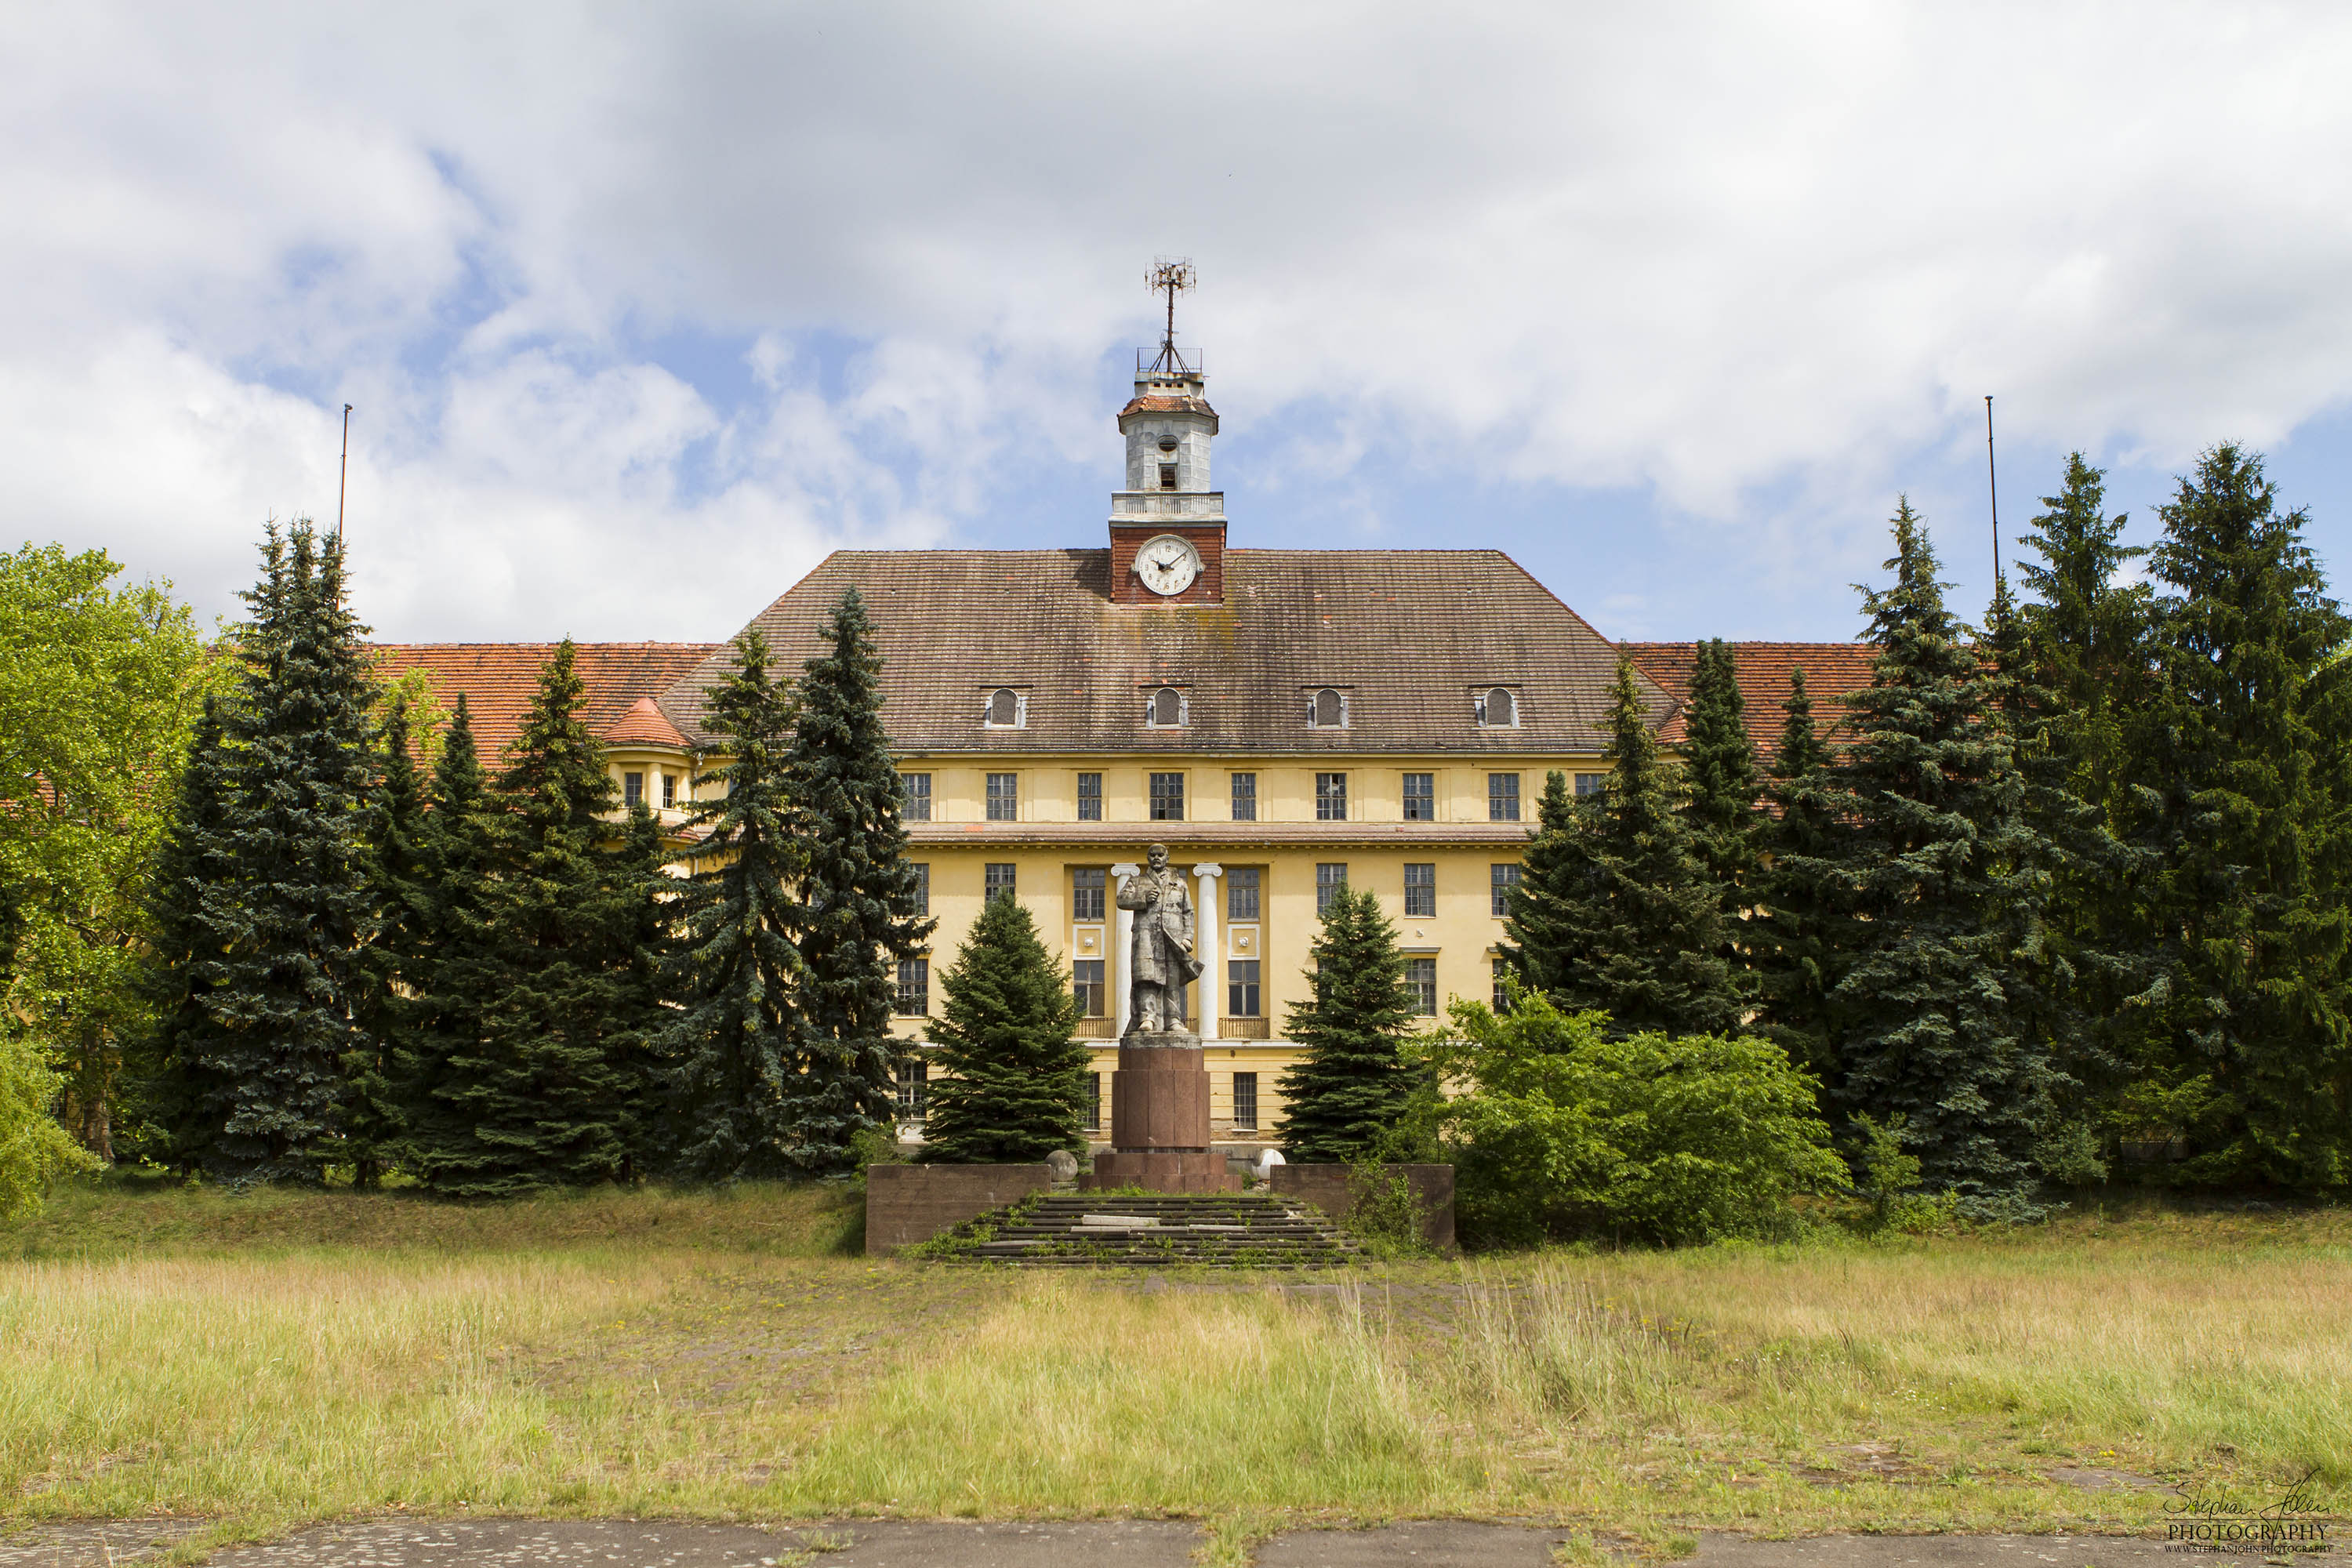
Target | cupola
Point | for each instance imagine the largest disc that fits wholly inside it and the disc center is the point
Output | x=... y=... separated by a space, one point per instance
x=1168 y=526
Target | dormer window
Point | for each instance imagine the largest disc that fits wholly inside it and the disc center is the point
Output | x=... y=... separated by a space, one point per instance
x=1007 y=709
x=1499 y=708
x=1165 y=709
x=1327 y=708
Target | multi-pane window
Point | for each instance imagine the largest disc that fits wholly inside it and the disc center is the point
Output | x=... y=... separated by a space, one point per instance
x=1506 y=877
x=1086 y=886
x=997 y=880
x=1329 y=878
x=1420 y=797
x=670 y=789
x=1168 y=797
x=1419 y=891
x=633 y=789
x=1330 y=797
x=1591 y=783
x=914 y=1088
x=914 y=987
x=918 y=896
x=915 y=796
x=1502 y=991
x=1244 y=1100
x=1088 y=976
x=1241 y=893
x=1244 y=797
x=1005 y=797
x=1502 y=797
x=1421 y=978
x=1090 y=797
x=1240 y=989
x=1094 y=1099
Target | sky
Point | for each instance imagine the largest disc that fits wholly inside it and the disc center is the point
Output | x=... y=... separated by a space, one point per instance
x=644 y=309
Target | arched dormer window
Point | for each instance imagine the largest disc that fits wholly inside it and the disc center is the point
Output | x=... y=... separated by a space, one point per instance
x=1327 y=708
x=1165 y=711
x=1499 y=708
x=1007 y=709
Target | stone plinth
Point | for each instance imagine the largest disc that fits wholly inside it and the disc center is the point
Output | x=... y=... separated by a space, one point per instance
x=1160 y=1119
x=907 y=1204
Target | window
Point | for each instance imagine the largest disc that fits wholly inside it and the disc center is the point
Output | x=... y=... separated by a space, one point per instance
x=1244 y=1100
x=1330 y=797
x=1167 y=476
x=632 y=790
x=1087 y=884
x=1506 y=877
x=1421 y=891
x=1244 y=797
x=1328 y=709
x=1421 y=978
x=1090 y=797
x=997 y=881
x=1241 y=893
x=1591 y=783
x=914 y=987
x=1502 y=797
x=1007 y=709
x=1165 y=711
x=1005 y=797
x=1094 y=1099
x=914 y=1088
x=670 y=789
x=1087 y=974
x=915 y=796
x=1420 y=797
x=1329 y=878
x=1499 y=709
x=1240 y=989
x=918 y=896
x=1502 y=991
x=1168 y=797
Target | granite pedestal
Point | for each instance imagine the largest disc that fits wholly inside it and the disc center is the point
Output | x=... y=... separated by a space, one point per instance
x=1160 y=1119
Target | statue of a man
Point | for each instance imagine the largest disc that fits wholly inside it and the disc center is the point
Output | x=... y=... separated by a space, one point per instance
x=1161 y=964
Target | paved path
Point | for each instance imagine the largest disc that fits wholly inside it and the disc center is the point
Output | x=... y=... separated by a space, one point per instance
x=1120 y=1543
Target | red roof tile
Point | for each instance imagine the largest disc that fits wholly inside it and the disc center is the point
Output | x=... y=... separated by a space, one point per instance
x=643 y=725
x=1831 y=670
x=499 y=679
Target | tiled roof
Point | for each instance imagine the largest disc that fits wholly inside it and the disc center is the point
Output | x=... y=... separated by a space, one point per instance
x=1411 y=638
x=500 y=678
x=643 y=725
x=1831 y=670
x=1160 y=404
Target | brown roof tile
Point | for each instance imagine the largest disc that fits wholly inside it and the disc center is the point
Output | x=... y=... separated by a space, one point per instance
x=1411 y=636
x=645 y=725
x=499 y=679
x=1831 y=670
x=1156 y=404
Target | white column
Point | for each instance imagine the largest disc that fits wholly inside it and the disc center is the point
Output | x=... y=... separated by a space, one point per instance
x=1206 y=948
x=1123 y=942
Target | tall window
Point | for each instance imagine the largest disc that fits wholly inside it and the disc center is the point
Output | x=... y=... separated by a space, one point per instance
x=633 y=789
x=1165 y=711
x=1244 y=1100
x=1167 y=476
x=1328 y=709
x=997 y=881
x=1168 y=797
x=1094 y=1099
x=1330 y=797
x=1502 y=992
x=1244 y=797
x=1502 y=797
x=1090 y=797
x=914 y=987
x=1240 y=989
x=1329 y=878
x=918 y=896
x=1087 y=885
x=1420 y=797
x=915 y=796
x=1506 y=879
x=1420 y=977
x=1005 y=797
x=1087 y=975
x=670 y=789
x=1591 y=783
x=1501 y=710
x=1419 y=891
x=914 y=1088
x=1241 y=893
x=1006 y=709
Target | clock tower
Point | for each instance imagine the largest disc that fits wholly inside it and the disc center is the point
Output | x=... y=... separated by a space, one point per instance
x=1168 y=526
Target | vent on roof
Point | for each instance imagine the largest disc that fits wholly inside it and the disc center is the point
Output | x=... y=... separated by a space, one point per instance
x=1327 y=708
x=1499 y=708
x=1006 y=709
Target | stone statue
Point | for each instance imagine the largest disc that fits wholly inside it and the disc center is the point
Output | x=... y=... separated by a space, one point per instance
x=1161 y=964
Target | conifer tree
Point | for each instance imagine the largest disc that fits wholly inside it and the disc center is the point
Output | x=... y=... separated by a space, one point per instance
x=2083 y=638
x=2243 y=753
x=856 y=887
x=294 y=906
x=1626 y=916
x=1551 y=882
x=1801 y=935
x=1015 y=1088
x=395 y=872
x=734 y=1046
x=172 y=1080
x=1719 y=766
x=1348 y=1091
x=443 y=959
x=1932 y=1013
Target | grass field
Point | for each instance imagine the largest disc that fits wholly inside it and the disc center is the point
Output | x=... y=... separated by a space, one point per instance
x=287 y=1356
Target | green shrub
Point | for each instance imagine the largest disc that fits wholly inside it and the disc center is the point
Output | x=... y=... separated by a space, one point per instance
x=1556 y=1130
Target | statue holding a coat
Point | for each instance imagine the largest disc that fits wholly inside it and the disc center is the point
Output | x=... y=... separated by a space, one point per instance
x=1161 y=963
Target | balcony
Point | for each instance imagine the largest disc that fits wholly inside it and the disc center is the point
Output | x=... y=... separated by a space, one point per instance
x=1241 y=1029
x=1167 y=503
x=1094 y=1029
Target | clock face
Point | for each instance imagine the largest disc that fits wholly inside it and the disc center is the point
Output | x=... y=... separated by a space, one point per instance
x=1167 y=565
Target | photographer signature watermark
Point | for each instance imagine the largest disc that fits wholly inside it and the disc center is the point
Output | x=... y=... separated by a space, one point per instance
x=2224 y=1521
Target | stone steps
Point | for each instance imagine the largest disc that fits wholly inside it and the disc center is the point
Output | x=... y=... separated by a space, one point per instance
x=1208 y=1230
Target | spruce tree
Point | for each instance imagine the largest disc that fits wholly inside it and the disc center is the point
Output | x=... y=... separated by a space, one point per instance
x=1347 y=1093
x=1617 y=912
x=1932 y=1017
x=2242 y=754
x=442 y=951
x=2084 y=638
x=1800 y=937
x=1015 y=1088
x=731 y=1050
x=399 y=895
x=294 y=907
x=172 y=1085
x=1719 y=766
x=856 y=885
x=1541 y=908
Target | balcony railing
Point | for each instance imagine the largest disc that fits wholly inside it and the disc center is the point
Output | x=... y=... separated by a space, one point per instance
x=1241 y=1029
x=1187 y=361
x=1168 y=503
x=1094 y=1029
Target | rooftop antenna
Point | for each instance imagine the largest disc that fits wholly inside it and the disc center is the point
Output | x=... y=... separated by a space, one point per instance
x=1172 y=275
x=343 y=478
x=1992 y=486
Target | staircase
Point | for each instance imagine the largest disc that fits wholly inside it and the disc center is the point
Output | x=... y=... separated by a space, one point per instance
x=1097 y=1230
